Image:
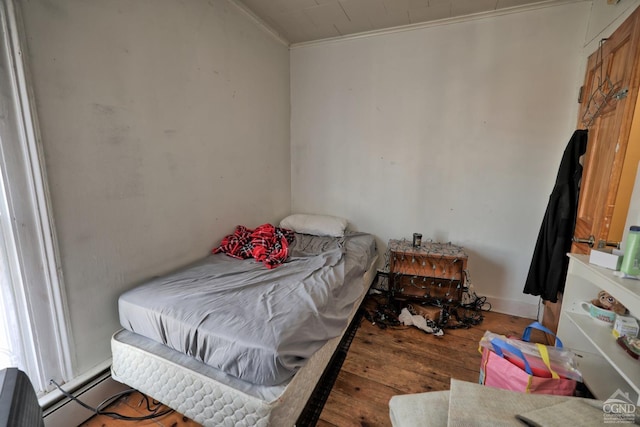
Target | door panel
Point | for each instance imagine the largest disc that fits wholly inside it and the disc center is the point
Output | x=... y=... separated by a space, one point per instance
x=615 y=60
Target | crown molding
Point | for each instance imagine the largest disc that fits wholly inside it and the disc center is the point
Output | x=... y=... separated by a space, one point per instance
x=437 y=23
x=260 y=23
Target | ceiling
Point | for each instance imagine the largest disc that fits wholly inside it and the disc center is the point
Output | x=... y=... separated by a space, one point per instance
x=299 y=21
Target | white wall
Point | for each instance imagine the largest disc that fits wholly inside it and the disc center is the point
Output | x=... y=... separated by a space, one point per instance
x=164 y=124
x=453 y=130
x=604 y=19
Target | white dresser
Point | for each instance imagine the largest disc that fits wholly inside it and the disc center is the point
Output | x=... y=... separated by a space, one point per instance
x=605 y=366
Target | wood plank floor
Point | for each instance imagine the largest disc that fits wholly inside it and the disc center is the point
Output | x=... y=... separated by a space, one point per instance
x=380 y=363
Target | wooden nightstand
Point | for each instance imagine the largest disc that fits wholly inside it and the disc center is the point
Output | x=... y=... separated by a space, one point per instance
x=430 y=273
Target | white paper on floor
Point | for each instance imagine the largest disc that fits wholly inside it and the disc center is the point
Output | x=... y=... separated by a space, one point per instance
x=418 y=321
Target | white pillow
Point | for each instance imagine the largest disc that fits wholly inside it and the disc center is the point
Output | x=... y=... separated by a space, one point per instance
x=318 y=225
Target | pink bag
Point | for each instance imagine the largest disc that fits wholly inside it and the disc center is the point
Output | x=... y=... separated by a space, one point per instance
x=497 y=371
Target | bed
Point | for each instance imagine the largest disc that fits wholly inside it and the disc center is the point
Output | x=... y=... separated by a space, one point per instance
x=225 y=341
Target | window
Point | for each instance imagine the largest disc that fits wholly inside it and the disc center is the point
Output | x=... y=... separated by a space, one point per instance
x=33 y=331
x=10 y=347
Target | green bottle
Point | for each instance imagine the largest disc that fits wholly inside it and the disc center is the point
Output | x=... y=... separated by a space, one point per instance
x=631 y=260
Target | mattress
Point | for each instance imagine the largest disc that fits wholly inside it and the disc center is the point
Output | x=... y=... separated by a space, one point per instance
x=257 y=324
x=211 y=397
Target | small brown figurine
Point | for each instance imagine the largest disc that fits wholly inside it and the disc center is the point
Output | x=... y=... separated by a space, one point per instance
x=608 y=302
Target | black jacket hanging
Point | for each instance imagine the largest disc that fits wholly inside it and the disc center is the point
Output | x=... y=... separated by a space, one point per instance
x=549 y=263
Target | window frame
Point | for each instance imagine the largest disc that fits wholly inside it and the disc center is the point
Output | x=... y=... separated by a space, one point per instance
x=26 y=218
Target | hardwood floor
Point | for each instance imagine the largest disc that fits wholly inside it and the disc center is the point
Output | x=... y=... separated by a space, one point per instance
x=380 y=363
x=383 y=363
x=134 y=406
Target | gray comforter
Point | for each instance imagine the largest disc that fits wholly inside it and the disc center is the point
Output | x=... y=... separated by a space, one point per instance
x=256 y=324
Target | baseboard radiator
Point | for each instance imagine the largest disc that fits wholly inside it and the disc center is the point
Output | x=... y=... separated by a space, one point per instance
x=64 y=412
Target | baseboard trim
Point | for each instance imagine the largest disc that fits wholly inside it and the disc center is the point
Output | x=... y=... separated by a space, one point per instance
x=65 y=412
x=513 y=307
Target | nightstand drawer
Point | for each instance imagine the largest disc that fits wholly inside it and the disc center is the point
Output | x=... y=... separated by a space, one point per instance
x=427 y=288
x=428 y=266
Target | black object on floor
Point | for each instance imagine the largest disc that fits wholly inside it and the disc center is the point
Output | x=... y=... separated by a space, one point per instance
x=311 y=412
x=18 y=400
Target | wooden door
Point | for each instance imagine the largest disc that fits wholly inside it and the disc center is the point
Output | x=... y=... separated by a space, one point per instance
x=607 y=105
x=613 y=68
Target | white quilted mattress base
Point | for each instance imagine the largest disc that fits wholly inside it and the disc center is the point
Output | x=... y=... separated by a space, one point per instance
x=190 y=393
x=211 y=402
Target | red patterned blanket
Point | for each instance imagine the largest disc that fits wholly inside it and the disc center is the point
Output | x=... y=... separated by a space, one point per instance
x=266 y=244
